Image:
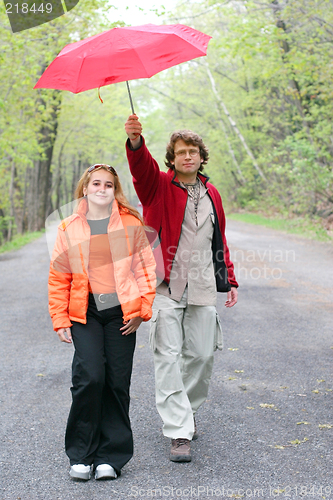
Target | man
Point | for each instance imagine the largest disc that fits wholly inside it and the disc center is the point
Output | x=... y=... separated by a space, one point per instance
x=187 y=213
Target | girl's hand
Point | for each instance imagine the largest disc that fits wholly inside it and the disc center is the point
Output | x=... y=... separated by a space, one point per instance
x=131 y=326
x=65 y=335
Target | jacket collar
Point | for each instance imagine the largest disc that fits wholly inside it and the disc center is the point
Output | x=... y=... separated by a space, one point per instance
x=174 y=179
x=82 y=208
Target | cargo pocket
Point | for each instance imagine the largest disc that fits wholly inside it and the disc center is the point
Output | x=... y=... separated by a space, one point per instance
x=218 y=343
x=152 y=333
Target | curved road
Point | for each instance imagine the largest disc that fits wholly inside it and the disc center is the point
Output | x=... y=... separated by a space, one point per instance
x=268 y=423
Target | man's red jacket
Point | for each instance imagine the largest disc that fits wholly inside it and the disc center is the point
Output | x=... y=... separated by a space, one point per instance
x=164 y=202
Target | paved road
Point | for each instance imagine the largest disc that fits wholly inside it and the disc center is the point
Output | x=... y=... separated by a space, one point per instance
x=271 y=390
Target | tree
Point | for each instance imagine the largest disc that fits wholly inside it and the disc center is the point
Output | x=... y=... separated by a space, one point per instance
x=29 y=119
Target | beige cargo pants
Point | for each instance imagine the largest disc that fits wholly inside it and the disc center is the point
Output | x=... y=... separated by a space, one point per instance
x=183 y=338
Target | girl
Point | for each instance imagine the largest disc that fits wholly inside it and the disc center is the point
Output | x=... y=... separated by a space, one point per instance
x=101 y=287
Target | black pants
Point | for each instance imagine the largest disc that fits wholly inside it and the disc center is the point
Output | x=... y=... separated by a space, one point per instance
x=98 y=428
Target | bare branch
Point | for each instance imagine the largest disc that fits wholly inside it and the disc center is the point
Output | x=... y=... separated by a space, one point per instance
x=229 y=78
x=233 y=124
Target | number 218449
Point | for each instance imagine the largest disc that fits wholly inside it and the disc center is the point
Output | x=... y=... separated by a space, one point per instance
x=24 y=8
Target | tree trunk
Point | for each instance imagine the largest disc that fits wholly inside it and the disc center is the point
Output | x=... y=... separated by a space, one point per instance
x=11 y=199
x=48 y=134
x=297 y=98
x=23 y=222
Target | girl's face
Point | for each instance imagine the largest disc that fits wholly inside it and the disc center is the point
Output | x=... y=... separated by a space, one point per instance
x=100 y=190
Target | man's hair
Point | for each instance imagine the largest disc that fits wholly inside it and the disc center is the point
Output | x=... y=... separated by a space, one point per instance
x=189 y=138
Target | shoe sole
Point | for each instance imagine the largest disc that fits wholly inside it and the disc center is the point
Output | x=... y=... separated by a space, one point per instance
x=80 y=476
x=104 y=475
x=180 y=458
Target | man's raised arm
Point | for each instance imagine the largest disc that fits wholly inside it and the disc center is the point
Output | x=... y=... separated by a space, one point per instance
x=143 y=167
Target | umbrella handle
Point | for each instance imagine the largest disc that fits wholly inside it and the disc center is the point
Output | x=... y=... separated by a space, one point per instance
x=130 y=97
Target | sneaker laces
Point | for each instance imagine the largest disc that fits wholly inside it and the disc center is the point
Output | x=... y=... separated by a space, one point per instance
x=181 y=441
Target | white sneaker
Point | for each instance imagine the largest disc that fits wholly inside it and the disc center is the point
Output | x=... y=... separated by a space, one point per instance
x=105 y=471
x=80 y=471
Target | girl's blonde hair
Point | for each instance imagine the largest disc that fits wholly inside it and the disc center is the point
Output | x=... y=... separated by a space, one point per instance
x=123 y=203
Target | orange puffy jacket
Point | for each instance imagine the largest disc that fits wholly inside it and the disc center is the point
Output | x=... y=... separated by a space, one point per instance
x=133 y=263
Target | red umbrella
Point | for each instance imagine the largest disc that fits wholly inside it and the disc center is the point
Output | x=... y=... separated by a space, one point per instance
x=122 y=54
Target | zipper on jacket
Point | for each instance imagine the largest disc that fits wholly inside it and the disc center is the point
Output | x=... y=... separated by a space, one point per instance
x=85 y=222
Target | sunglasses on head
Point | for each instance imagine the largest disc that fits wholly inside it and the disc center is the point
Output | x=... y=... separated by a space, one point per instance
x=98 y=165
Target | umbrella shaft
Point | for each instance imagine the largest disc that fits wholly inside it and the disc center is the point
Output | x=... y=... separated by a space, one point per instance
x=130 y=97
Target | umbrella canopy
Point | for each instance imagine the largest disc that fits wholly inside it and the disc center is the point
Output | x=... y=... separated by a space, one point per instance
x=122 y=54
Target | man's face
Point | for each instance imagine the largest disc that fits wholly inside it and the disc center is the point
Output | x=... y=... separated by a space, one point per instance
x=187 y=161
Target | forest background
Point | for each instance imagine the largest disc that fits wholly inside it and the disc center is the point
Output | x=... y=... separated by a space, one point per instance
x=262 y=100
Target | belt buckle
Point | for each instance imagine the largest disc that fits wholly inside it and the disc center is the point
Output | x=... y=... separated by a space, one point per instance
x=100 y=298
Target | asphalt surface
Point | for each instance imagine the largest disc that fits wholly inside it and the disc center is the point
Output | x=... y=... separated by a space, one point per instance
x=266 y=429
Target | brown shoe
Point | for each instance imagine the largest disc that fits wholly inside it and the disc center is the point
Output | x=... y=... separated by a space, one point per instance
x=195 y=435
x=180 y=450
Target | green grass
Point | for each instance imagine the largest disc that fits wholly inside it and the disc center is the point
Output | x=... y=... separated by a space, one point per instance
x=19 y=240
x=308 y=228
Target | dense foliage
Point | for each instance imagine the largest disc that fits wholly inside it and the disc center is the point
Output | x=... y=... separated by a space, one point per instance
x=262 y=100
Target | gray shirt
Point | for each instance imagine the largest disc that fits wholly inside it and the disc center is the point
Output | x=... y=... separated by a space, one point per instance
x=193 y=263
